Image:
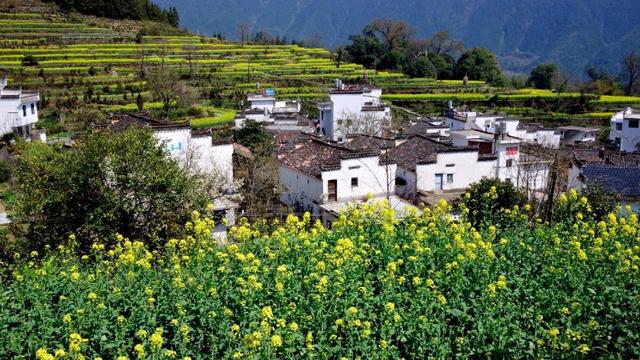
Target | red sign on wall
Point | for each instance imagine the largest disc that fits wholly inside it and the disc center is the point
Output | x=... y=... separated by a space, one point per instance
x=513 y=150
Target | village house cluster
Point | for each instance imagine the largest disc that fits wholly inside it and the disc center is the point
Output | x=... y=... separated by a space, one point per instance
x=350 y=153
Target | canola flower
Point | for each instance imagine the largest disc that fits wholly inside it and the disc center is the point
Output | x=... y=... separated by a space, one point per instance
x=375 y=285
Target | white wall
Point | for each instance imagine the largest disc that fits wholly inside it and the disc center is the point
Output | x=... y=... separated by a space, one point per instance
x=17 y=117
x=576 y=137
x=266 y=104
x=508 y=151
x=408 y=190
x=372 y=178
x=629 y=137
x=464 y=166
x=198 y=150
x=175 y=140
x=217 y=159
x=300 y=189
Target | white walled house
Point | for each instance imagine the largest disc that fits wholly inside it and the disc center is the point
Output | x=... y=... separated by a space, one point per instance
x=18 y=111
x=506 y=149
x=433 y=171
x=625 y=130
x=195 y=149
x=351 y=110
x=620 y=180
x=577 y=135
x=529 y=173
x=324 y=178
x=265 y=109
x=534 y=134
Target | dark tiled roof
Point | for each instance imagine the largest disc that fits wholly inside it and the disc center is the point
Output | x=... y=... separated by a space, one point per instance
x=417 y=149
x=141 y=119
x=622 y=181
x=421 y=127
x=312 y=156
x=423 y=150
x=361 y=142
x=605 y=157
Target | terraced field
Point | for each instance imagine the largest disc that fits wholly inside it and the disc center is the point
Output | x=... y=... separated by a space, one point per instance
x=95 y=63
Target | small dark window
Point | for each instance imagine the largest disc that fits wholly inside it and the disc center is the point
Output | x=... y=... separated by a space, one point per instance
x=24 y=110
x=633 y=124
x=449 y=178
x=509 y=162
x=618 y=126
x=401 y=181
x=33 y=109
x=354 y=182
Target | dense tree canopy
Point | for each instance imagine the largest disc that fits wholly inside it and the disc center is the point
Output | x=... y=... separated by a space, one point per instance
x=109 y=183
x=122 y=9
x=390 y=45
x=543 y=76
x=479 y=64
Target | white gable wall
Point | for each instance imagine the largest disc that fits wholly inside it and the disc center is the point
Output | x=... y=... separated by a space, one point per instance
x=372 y=179
x=300 y=190
x=464 y=166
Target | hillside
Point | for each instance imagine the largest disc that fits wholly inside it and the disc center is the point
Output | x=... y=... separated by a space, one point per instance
x=523 y=33
x=95 y=63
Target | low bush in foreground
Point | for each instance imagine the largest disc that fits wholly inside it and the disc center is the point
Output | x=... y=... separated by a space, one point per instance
x=372 y=287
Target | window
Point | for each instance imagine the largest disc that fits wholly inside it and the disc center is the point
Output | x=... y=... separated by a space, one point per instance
x=33 y=109
x=354 y=167
x=633 y=124
x=339 y=122
x=24 y=110
x=451 y=165
x=618 y=126
x=509 y=162
x=449 y=178
x=354 y=182
x=439 y=183
x=401 y=181
x=332 y=186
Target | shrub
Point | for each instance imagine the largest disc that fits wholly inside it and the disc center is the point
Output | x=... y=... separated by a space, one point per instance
x=372 y=287
x=29 y=60
x=486 y=200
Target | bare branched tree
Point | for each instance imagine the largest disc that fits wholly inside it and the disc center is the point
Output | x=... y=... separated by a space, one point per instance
x=165 y=86
x=368 y=123
x=189 y=55
x=632 y=71
x=243 y=29
x=442 y=44
x=338 y=56
x=394 y=33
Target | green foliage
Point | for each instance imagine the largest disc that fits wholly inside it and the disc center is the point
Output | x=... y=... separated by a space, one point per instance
x=486 y=200
x=122 y=9
x=5 y=171
x=543 y=76
x=388 y=44
x=372 y=287
x=29 y=60
x=479 y=64
x=108 y=183
x=254 y=136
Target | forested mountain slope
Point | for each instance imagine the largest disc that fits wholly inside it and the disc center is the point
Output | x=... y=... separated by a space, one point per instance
x=523 y=33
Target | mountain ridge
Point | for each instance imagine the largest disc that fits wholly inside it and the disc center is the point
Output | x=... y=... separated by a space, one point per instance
x=571 y=33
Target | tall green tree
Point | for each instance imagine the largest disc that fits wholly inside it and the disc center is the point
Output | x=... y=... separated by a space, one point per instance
x=479 y=64
x=631 y=70
x=543 y=76
x=109 y=183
